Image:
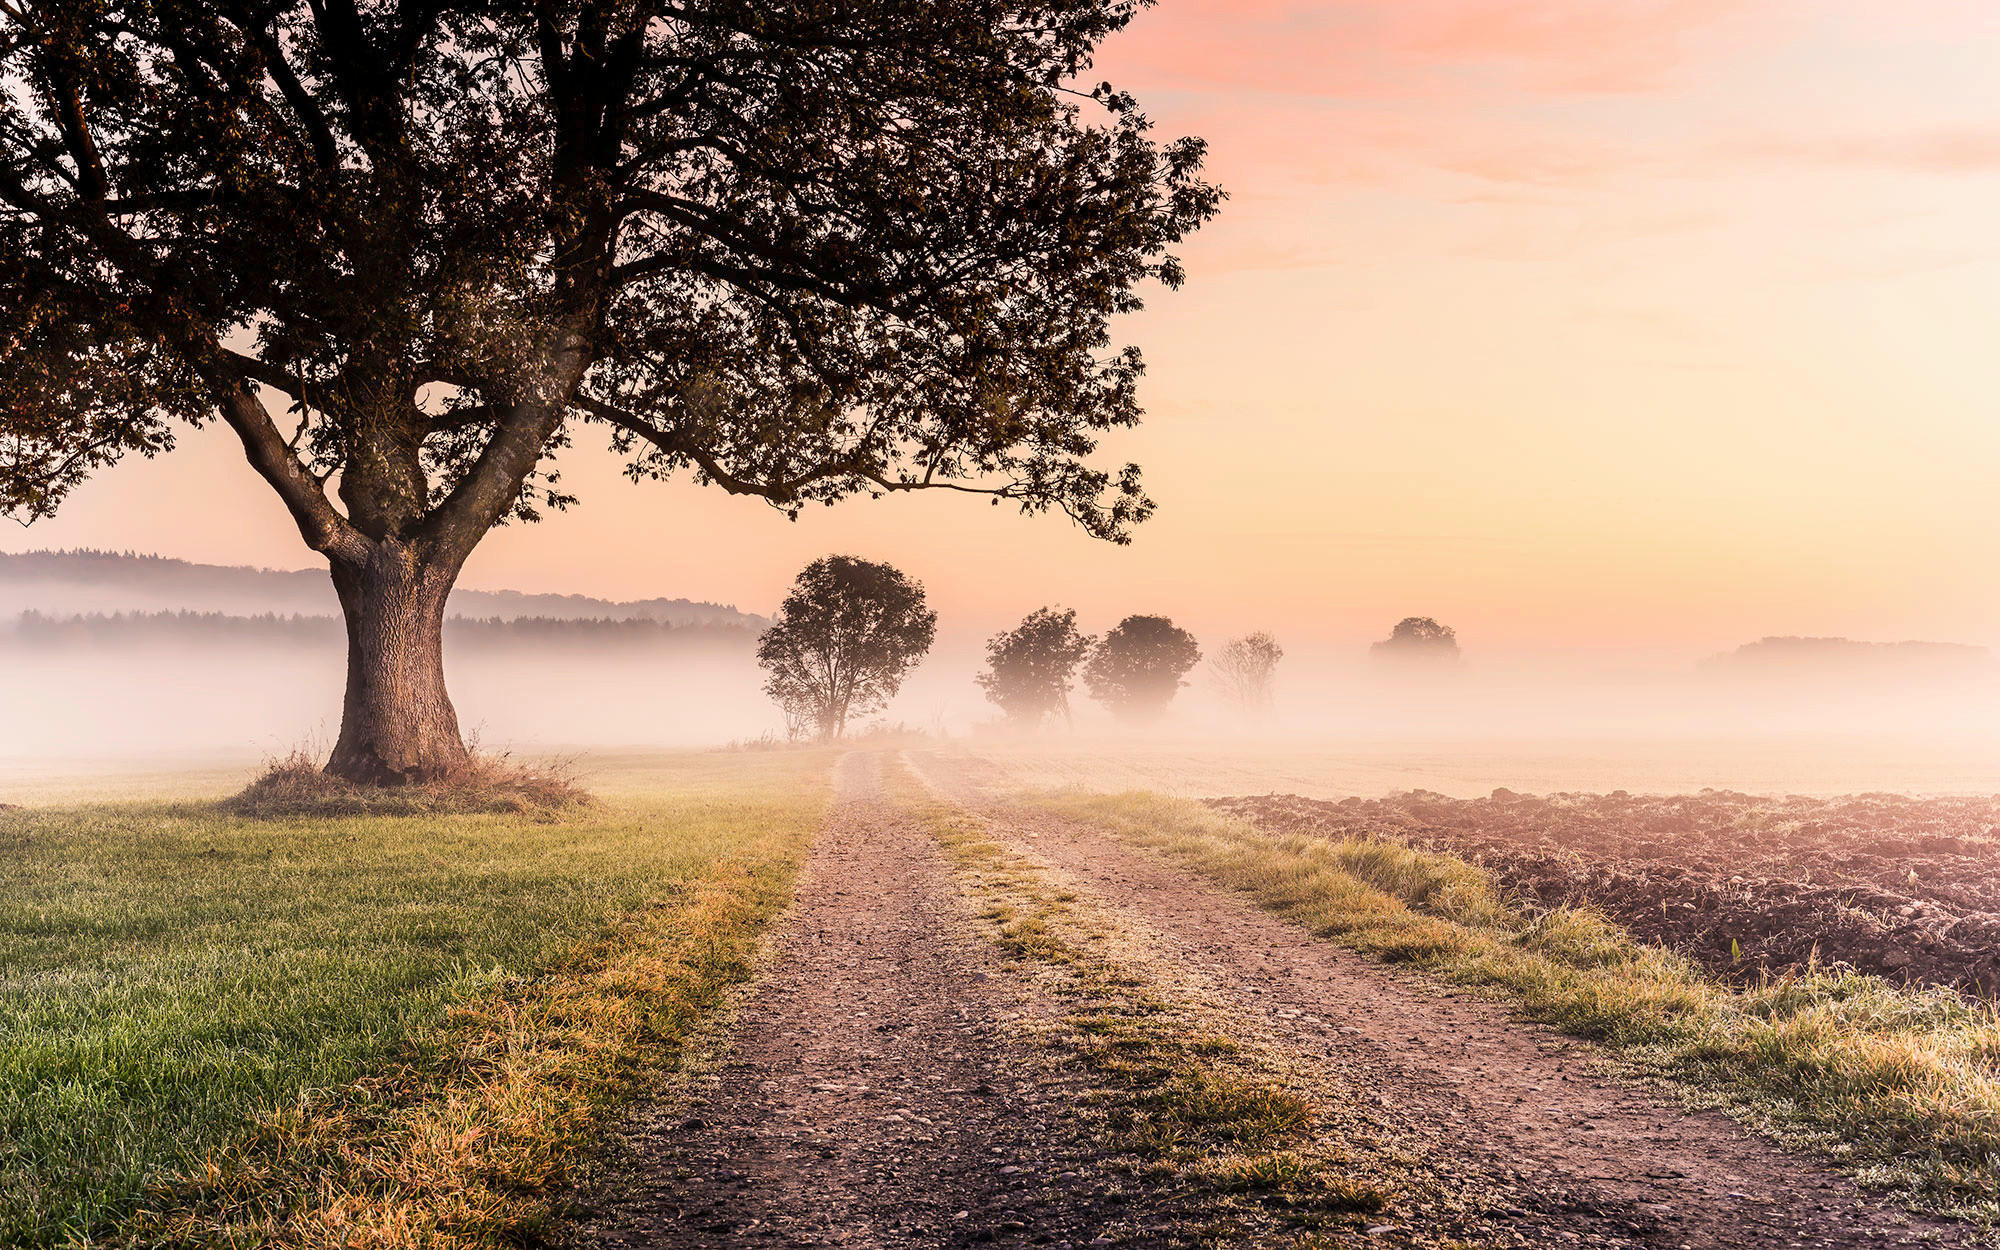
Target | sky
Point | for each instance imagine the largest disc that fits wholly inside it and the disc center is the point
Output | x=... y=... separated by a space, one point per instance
x=1582 y=325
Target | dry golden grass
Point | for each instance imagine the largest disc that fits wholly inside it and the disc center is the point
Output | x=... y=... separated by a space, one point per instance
x=1899 y=1086
x=474 y=1136
x=295 y=786
x=1179 y=1091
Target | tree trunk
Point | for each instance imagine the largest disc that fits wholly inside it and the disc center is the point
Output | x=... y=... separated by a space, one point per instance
x=397 y=726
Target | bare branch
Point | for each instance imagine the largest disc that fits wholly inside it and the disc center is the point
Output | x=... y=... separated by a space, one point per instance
x=322 y=526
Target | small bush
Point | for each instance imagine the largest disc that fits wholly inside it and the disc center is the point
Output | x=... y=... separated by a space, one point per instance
x=766 y=741
x=296 y=786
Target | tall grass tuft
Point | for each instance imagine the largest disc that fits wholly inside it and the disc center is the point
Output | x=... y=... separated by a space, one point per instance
x=296 y=786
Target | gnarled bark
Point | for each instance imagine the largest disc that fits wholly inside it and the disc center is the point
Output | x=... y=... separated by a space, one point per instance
x=397 y=724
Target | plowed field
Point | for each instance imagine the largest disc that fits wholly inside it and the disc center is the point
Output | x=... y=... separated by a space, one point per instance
x=1906 y=888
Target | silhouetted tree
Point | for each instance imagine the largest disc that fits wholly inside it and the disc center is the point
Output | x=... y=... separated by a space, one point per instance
x=1246 y=672
x=799 y=249
x=1031 y=668
x=842 y=642
x=1420 y=639
x=1139 y=665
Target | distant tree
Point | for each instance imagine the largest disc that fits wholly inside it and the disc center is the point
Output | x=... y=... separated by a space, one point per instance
x=1419 y=639
x=1139 y=665
x=801 y=721
x=1246 y=670
x=408 y=251
x=1031 y=668
x=842 y=642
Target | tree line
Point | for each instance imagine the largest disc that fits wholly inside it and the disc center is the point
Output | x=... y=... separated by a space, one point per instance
x=850 y=630
x=46 y=631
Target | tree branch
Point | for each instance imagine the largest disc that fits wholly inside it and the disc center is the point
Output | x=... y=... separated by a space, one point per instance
x=520 y=437
x=92 y=181
x=255 y=370
x=777 y=492
x=326 y=150
x=784 y=490
x=322 y=526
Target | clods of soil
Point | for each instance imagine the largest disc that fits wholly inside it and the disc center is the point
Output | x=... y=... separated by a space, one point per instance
x=1905 y=888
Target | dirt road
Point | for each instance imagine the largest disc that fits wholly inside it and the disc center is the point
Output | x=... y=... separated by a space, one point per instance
x=879 y=1092
x=875 y=1093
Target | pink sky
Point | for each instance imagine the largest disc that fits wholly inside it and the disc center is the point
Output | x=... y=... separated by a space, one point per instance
x=1583 y=323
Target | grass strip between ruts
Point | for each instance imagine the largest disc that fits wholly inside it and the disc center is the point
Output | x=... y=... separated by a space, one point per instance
x=1180 y=1093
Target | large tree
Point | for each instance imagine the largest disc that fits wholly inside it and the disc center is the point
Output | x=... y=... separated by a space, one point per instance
x=1031 y=667
x=1138 y=667
x=842 y=642
x=407 y=249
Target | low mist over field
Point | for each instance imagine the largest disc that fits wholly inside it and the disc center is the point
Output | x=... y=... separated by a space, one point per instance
x=114 y=655
x=118 y=657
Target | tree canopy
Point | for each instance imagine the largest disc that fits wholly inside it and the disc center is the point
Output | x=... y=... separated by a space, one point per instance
x=1031 y=668
x=842 y=642
x=1140 y=665
x=1418 y=638
x=802 y=248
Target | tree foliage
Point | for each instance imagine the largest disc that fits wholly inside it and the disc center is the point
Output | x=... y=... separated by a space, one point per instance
x=1246 y=671
x=800 y=248
x=1031 y=668
x=1138 y=667
x=1419 y=639
x=842 y=642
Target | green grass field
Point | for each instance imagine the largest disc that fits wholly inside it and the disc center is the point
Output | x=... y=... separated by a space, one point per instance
x=183 y=995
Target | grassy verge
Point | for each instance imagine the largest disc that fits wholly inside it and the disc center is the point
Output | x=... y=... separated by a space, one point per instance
x=366 y=1030
x=1901 y=1087
x=1195 y=1104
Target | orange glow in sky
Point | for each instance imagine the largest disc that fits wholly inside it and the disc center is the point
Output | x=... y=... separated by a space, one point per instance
x=1574 y=323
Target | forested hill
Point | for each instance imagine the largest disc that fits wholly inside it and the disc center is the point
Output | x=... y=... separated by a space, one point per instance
x=1815 y=658
x=131 y=631
x=84 y=581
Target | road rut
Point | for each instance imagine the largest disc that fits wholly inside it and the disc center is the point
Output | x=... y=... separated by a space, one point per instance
x=875 y=1092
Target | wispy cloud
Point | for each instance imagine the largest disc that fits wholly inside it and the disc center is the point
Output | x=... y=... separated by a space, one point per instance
x=1589 y=46
x=1298 y=95
x=1945 y=150
x=1425 y=48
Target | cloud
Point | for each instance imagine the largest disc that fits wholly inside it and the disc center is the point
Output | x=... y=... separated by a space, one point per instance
x=1943 y=150
x=1422 y=48
x=1537 y=161
x=1297 y=96
x=1276 y=148
x=1588 y=46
